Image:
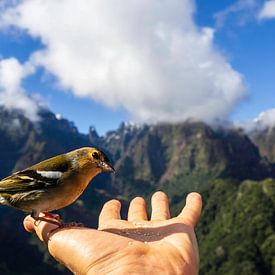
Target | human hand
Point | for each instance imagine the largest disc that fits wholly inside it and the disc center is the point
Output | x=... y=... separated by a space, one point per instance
x=136 y=246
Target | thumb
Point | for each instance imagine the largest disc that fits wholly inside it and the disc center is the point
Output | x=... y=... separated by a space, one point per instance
x=67 y=245
x=41 y=228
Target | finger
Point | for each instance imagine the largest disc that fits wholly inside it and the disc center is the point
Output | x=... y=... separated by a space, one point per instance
x=192 y=209
x=160 y=206
x=72 y=246
x=110 y=211
x=29 y=224
x=137 y=210
x=41 y=228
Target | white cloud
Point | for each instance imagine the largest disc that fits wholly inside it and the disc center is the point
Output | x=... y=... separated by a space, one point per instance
x=243 y=11
x=266 y=118
x=146 y=56
x=268 y=10
x=12 y=95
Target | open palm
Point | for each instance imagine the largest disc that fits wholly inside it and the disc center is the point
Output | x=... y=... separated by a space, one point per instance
x=136 y=246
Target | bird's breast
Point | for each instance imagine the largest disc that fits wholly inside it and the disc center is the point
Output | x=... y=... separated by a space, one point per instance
x=68 y=192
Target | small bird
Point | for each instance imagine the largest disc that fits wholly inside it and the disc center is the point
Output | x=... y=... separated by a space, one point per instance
x=53 y=183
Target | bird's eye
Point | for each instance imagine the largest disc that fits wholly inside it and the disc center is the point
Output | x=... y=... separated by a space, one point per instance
x=95 y=155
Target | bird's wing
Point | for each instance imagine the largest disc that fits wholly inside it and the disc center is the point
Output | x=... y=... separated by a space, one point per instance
x=30 y=179
x=57 y=163
x=43 y=175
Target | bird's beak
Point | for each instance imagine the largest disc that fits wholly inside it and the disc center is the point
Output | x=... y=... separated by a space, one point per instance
x=106 y=167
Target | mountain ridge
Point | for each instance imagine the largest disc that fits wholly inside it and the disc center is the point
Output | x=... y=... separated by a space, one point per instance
x=220 y=163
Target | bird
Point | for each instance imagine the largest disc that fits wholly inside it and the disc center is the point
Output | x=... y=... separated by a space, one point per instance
x=53 y=183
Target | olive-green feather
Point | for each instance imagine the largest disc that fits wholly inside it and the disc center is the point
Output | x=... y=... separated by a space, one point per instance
x=58 y=163
x=29 y=179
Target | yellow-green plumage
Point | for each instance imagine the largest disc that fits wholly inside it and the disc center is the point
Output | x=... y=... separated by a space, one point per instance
x=54 y=183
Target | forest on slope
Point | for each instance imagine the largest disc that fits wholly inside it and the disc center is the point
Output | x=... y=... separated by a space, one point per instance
x=234 y=173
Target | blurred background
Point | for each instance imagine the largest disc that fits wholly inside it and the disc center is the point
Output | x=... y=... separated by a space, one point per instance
x=179 y=94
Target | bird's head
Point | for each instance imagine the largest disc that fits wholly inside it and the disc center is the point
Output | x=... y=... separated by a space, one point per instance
x=91 y=158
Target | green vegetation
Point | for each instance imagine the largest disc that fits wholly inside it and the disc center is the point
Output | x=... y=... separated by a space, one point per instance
x=236 y=231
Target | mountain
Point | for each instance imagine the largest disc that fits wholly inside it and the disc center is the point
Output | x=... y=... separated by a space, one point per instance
x=264 y=139
x=236 y=231
x=187 y=156
x=24 y=143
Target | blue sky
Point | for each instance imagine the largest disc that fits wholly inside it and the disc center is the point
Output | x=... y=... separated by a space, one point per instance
x=238 y=40
x=251 y=50
x=82 y=111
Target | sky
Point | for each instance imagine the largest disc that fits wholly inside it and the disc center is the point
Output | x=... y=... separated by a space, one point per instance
x=101 y=62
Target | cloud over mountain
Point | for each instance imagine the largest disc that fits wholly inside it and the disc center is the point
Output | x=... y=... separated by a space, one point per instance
x=12 y=95
x=148 y=57
x=266 y=118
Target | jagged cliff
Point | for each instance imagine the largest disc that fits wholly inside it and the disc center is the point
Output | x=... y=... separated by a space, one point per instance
x=236 y=231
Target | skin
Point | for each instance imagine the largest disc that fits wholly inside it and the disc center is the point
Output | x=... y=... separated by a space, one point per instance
x=135 y=246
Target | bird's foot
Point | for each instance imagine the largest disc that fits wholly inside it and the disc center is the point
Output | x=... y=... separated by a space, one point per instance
x=53 y=219
x=50 y=218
